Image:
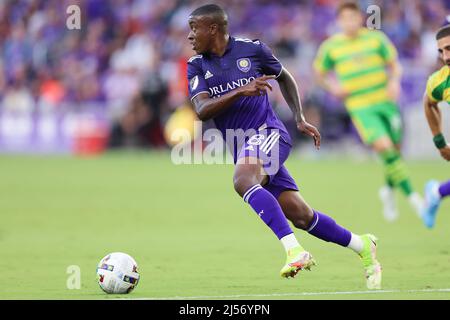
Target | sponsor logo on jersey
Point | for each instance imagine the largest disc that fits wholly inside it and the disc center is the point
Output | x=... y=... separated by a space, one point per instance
x=217 y=91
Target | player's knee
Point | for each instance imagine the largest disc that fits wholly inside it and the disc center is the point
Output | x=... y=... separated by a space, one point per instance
x=304 y=217
x=383 y=144
x=243 y=182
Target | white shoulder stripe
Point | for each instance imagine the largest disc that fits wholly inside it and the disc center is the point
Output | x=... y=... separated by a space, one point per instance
x=195 y=57
x=243 y=39
x=247 y=40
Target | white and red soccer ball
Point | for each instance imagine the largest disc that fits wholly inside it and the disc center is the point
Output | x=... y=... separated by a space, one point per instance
x=117 y=273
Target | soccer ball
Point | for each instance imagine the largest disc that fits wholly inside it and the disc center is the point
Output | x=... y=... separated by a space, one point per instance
x=117 y=273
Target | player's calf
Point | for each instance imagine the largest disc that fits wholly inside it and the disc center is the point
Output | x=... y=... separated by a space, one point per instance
x=247 y=183
x=397 y=173
x=296 y=209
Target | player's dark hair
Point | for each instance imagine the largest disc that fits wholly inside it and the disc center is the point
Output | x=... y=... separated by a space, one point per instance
x=443 y=32
x=351 y=5
x=216 y=13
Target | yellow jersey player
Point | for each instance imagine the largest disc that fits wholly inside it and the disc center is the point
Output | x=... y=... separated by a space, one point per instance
x=438 y=89
x=368 y=80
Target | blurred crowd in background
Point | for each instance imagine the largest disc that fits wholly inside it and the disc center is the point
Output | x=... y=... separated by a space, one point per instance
x=128 y=61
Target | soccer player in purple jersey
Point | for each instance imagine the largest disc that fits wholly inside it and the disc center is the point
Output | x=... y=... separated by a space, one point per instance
x=438 y=89
x=229 y=84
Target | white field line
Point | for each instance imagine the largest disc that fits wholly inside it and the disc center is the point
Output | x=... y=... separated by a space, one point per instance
x=298 y=294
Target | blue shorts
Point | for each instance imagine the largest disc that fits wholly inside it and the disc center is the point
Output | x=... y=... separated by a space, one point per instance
x=272 y=149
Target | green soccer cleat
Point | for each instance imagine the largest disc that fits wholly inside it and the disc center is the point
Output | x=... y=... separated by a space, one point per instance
x=297 y=259
x=371 y=265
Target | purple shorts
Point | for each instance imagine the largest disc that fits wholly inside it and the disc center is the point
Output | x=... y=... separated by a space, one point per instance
x=270 y=147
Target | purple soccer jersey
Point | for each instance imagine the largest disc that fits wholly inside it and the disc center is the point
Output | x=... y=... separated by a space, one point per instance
x=243 y=61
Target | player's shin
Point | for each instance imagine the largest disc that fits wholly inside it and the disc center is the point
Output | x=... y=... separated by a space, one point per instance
x=269 y=210
x=398 y=174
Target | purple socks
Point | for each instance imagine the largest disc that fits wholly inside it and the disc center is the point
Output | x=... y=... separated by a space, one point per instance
x=325 y=228
x=444 y=189
x=269 y=210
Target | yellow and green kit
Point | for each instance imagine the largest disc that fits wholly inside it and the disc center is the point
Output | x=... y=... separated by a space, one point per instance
x=438 y=85
x=360 y=66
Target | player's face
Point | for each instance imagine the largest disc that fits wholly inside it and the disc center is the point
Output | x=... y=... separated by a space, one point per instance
x=200 y=35
x=350 y=21
x=444 y=49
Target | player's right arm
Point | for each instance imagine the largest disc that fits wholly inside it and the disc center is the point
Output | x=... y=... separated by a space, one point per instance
x=434 y=118
x=207 y=107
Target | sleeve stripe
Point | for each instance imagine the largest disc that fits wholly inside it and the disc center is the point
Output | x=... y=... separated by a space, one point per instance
x=437 y=84
x=279 y=74
x=198 y=94
x=247 y=40
x=430 y=96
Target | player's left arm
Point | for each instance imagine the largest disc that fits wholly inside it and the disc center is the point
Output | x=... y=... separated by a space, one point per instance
x=272 y=66
x=434 y=119
x=394 y=82
x=289 y=89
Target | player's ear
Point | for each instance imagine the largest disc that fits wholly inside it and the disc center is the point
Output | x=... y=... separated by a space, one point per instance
x=361 y=17
x=213 y=28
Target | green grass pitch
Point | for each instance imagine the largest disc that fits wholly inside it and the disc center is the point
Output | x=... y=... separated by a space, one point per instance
x=192 y=236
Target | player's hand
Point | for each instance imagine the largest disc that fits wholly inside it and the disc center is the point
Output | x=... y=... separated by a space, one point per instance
x=339 y=92
x=310 y=130
x=257 y=87
x=445 y=152
x=393 y=90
